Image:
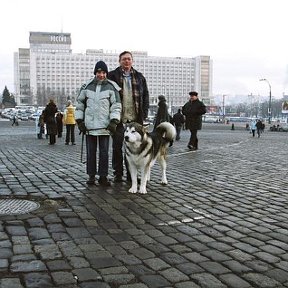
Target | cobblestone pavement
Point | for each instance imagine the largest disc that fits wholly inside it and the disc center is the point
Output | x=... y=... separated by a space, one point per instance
x=221 y=221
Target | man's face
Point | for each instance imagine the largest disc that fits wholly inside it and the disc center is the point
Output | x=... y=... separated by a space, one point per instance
x=126 y=61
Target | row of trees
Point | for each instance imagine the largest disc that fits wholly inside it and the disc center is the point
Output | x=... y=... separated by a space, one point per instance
x=256 y=109
x=8 y=100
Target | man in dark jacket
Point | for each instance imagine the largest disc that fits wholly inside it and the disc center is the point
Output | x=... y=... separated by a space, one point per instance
x=135 y=104
x=193 y=111
x=178 y=121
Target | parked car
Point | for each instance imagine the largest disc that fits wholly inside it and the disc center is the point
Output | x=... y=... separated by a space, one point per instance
x=283 y=128
x=279 y=128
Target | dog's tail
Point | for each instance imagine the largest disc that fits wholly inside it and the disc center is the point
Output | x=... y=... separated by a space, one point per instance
x=167 y=131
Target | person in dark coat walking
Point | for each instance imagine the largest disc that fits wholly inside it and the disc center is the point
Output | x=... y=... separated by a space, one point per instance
x=50 y=121
x=193 y=111
x=162 y=112
x=178 y=121
x=59 y=122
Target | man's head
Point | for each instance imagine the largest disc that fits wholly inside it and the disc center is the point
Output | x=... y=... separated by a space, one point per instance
x=126 y=60
x=193 y=95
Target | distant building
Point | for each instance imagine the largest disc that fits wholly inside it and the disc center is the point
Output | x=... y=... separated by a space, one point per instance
x=49 y=69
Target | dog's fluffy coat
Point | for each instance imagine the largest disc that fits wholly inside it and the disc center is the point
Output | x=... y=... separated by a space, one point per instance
x=142 y=149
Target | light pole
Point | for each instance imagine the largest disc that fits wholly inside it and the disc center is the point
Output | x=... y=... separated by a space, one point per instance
x=270 y=99
x=223 y=109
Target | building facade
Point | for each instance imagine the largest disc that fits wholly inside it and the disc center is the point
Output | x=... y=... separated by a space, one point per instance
x=49 y=69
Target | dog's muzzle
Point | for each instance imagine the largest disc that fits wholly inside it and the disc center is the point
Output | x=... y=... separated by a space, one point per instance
x=126 y=138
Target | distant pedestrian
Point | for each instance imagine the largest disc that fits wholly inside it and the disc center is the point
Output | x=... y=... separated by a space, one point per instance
x=69 y=121
x=41 y=126
x=253 y=127
x=15 y=120
x=178 y=121
x=162 y=114
x=50 y=121
x=59 y=122
x=193 y=111
x=259 y=126
x=263 y=127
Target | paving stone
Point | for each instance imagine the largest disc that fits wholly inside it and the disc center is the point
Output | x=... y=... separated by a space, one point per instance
x=142 y=253
x=38 y=233
x=207 y=280
x=118 y=279
x=233 y=281
x=261 y=280
x=86 y=274
x=48 y=252
x=105 y=262
x=4 y=265
x=156 y=264
x=6 y=252
x=28 y=266
x=78 y=262
x=16 y=230
x=10 y=282
x=154 y=281
x=56 y=265
x=236 y=266
x=136 y=285
x=114 y=270
x=63 y=278
x=278 y=274
x=173 y=275
x=140 y=270
x=94 y=284
x=128 y=259
x=36 y=280
x=173 y=258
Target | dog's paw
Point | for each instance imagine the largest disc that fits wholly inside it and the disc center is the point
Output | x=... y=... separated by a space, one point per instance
x=142 y=190
x=164 y=182
x=132 y=190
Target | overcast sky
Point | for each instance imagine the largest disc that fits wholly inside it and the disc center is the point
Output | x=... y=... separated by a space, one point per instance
x=246 y=39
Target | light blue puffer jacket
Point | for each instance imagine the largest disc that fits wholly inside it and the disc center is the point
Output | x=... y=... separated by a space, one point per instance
x=97 y=103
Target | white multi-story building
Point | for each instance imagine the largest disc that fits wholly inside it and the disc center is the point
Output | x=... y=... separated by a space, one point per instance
x=49 y=69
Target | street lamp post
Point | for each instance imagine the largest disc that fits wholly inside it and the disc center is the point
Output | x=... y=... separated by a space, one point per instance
x=270 y=99
x=223 y=108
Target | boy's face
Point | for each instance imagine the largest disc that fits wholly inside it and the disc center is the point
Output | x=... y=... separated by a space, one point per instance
x=101 y=75
x=126 y=61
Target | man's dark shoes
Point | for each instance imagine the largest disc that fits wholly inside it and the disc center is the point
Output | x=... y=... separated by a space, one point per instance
x=103 y=181
x=190 y=147
x=91 y=180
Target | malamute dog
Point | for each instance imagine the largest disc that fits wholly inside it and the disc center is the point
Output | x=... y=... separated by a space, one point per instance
x=143 y=148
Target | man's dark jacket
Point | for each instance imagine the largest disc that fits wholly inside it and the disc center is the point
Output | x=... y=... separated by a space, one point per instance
x=193 y=111
x=142 y=101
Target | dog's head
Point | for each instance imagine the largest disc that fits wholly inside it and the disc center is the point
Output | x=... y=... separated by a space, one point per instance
x=134 y=133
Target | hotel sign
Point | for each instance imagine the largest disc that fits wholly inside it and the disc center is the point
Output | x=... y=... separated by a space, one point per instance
x=49 y=38
x=58 y=38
